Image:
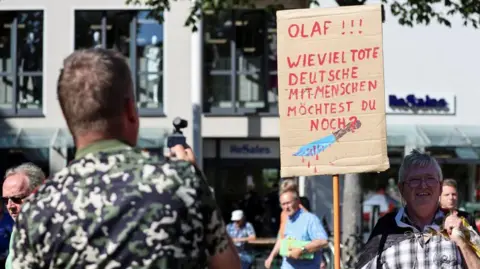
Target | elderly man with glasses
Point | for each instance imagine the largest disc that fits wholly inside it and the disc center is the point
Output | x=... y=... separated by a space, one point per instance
x=419 y=235
x=19 y=183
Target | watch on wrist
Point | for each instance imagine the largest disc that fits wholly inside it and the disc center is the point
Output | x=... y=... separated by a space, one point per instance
x=304 y=250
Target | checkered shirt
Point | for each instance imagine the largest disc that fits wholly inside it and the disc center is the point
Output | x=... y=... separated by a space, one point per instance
x=411 y=248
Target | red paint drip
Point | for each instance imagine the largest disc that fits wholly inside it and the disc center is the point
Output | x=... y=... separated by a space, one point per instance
x=315 y=170
x=303 y=160
x=316 y=157
x=308 y=164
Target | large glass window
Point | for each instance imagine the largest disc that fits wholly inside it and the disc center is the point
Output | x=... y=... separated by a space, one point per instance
x=139 y=38
x=240 y=62
x=21 y=62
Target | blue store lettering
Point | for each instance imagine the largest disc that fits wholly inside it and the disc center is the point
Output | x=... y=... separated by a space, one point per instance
x=249 y=149
x=413 y=102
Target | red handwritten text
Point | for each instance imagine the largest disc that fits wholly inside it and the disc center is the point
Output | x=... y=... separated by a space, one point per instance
x=364 y=54
x=314 y=59
x=332 y=90
x=332 y=57
x=319 y=109
x=369 y=105
x=331 y=123
x=321 y=76
x=318 y=28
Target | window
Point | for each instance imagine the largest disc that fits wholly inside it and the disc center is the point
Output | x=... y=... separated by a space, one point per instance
x=21 y=63
x=240 y=62
x=139 y=38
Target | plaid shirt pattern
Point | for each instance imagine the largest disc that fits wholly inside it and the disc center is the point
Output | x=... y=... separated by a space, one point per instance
x=243 y=232
x=418 y=249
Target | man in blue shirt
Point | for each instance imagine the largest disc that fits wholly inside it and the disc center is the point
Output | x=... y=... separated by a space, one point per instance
x=303 y=226
x=241 y=232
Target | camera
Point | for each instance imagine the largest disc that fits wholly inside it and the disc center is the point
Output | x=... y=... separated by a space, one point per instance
x=177 y=137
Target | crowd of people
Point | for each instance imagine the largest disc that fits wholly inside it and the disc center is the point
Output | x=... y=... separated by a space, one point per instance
x=116 y=206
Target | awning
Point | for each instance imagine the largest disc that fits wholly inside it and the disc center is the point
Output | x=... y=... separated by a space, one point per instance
x=463 y=141
x=59 y=138
x=465 y=138
x=433 y=135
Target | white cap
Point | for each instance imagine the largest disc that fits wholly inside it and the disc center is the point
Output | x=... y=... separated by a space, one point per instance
x=237 y=215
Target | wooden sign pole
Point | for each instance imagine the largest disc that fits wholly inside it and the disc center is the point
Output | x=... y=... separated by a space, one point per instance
x=336 y=221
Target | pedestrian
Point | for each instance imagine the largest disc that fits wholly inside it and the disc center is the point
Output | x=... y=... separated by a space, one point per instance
x=305 y=228
x=19 y=183
x=115 y=206
x=449 y=201
x=414 y=237
x=241 y=231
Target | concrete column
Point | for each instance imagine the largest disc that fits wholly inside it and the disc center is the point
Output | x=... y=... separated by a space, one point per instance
x=301 y=185
x=196 y=67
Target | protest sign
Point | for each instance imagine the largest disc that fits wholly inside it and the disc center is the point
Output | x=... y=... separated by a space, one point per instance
x=331 y=91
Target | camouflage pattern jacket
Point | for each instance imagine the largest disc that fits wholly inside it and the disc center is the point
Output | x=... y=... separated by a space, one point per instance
x=120 y=208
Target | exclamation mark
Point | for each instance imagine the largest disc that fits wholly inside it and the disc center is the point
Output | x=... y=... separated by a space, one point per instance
x=343 y=27
x=361 y=23
x=353 y=24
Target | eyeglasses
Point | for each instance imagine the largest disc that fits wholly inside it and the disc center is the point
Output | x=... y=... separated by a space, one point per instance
x=15 y=200
x=430 y=182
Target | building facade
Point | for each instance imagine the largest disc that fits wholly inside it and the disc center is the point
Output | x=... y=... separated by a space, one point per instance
x=42 y=33
x=228 y=69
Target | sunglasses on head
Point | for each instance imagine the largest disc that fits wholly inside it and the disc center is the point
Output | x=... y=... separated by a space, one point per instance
x=15 y=200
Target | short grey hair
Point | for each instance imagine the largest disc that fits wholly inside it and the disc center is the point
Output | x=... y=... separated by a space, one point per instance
x=289 y=184
x=34 y=174
x=416 y=159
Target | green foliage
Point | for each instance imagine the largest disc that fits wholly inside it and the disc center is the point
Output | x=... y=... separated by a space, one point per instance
x=408 y=12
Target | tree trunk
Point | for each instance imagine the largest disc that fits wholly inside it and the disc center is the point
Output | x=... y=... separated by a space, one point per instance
x=351 y=219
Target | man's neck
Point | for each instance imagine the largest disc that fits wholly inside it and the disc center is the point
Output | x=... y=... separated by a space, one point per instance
x=420 y=221
x=91 y=138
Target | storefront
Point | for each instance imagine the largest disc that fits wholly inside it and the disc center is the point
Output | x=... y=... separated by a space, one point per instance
x=234 y=165
x=236 y=168
x=430 y=122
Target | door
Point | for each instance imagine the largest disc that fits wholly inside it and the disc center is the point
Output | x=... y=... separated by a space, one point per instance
x=250 y=185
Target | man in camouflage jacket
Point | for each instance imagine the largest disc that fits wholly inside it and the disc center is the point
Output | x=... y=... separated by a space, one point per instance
x=115 y=206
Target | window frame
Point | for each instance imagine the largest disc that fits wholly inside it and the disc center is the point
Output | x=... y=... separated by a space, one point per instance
x=132 y=59
x=269 y=109
x=15 y=74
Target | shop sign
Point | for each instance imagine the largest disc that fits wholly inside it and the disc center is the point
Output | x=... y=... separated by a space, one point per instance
x=416 y=103
x=249 y=149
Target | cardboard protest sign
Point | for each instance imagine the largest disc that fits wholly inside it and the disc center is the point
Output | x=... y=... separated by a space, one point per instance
x=331 y=91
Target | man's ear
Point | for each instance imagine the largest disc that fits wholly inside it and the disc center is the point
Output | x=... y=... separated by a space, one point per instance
x=131 y=110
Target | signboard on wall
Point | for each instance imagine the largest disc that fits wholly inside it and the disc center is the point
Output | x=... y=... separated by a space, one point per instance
x=249 y=149
x=421 y=103
x=331 y=91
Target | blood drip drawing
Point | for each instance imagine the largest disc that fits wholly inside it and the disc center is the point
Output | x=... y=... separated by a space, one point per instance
x=318 y=146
